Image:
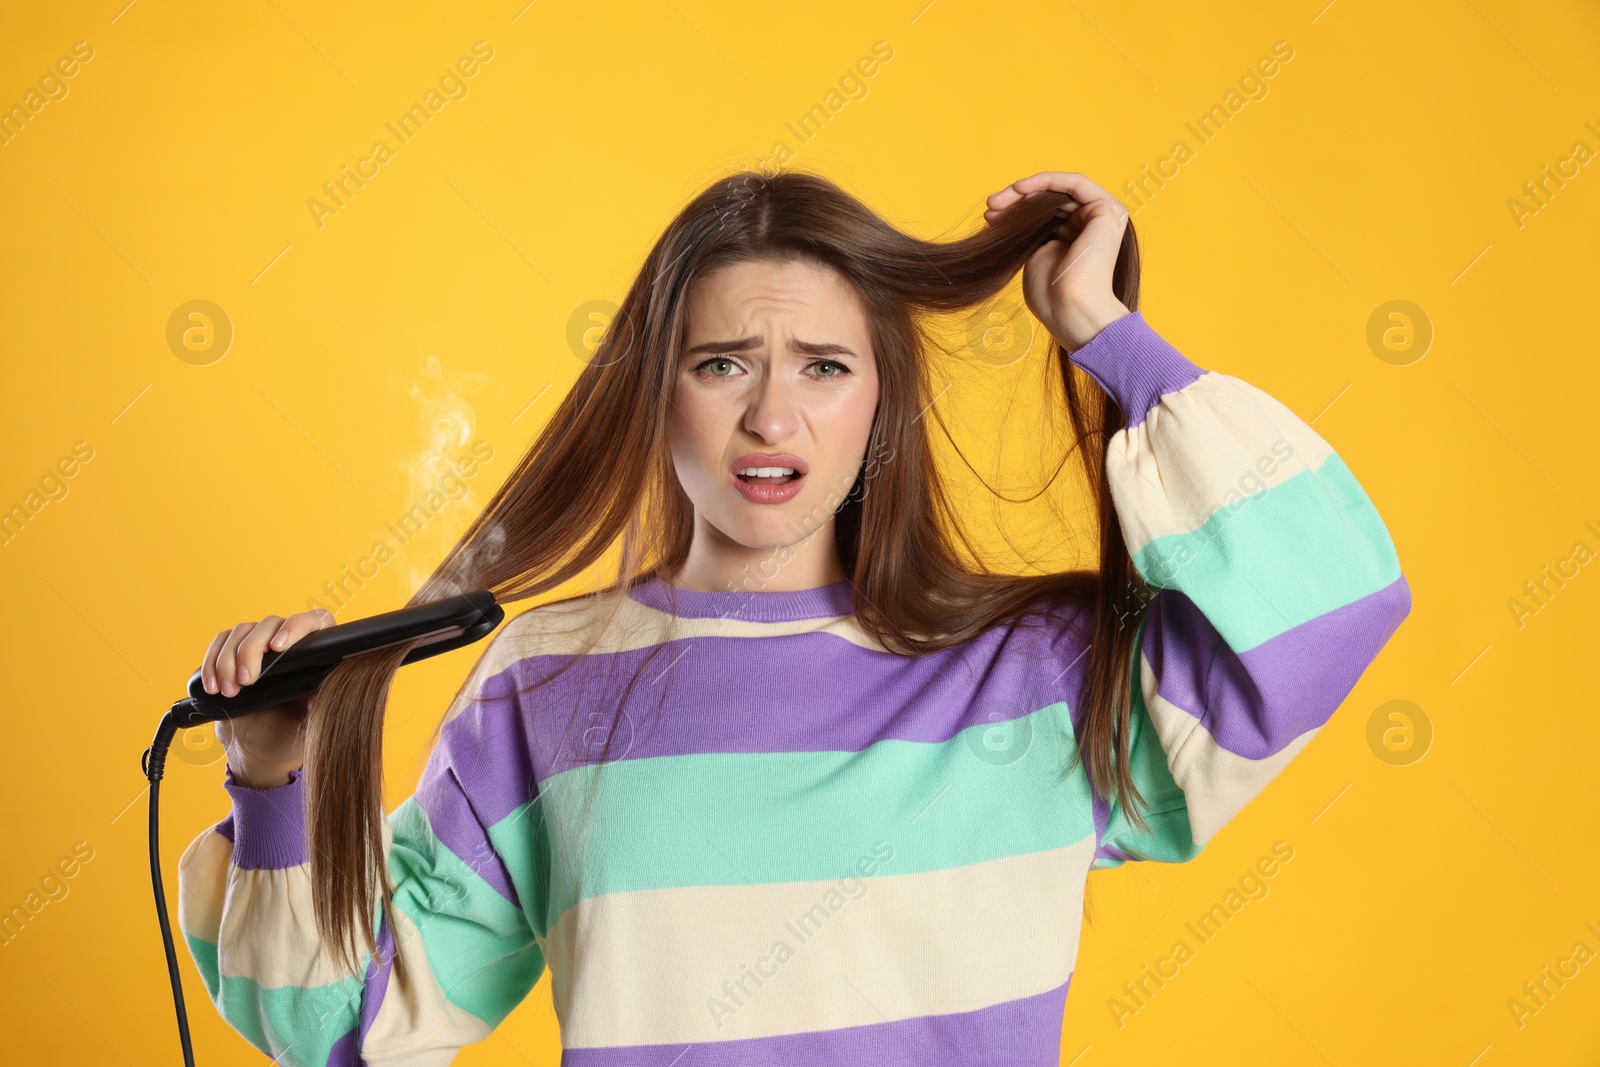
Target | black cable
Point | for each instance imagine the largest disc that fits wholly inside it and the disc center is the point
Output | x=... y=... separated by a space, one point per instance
x=153 y=763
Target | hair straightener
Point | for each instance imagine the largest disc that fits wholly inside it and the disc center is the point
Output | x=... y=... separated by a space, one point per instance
x=295 y=672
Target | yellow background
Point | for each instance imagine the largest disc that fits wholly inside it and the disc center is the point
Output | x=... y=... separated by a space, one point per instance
x=434 y=310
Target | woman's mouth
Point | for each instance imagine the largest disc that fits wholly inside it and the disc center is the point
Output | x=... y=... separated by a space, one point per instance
x=767 y=485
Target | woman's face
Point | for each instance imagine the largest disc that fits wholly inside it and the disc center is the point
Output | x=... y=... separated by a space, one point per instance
x=777 y=371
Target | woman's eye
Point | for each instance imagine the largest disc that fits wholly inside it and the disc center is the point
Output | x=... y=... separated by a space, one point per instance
x=830 y=363
x=716 y=360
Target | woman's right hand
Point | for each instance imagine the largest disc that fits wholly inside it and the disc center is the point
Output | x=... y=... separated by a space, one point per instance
x=264 y=746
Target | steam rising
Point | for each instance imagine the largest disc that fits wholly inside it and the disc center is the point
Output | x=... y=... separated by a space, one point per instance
x=448 y=424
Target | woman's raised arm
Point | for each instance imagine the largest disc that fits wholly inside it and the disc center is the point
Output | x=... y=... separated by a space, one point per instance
x=1277 y=584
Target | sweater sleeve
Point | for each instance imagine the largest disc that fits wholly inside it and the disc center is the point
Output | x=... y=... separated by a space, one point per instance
x=1274 y=584
x=468 y=916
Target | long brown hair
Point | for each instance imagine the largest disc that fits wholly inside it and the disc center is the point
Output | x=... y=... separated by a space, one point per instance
x=567 y=503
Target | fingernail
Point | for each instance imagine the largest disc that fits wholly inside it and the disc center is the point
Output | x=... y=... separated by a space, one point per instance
x=244 y=674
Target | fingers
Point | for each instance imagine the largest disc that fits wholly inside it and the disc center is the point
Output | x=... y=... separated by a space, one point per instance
x=1074 y=184
x=1060 y=181
x=1071 y=209
x=208 y=664
x=233 y=658
x=226 y=669
x=1071 y=182
x=297 y=626
x=247 y=656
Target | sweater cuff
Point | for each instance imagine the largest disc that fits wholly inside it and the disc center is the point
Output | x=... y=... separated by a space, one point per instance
x=1135 y=366
x=269 y=825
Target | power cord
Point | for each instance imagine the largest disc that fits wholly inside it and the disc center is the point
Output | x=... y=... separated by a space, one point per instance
x=153 y=763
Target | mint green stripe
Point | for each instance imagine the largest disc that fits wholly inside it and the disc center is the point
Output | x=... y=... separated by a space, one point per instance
x=205 y=961
x=1167 y=841
x=992 y=791
x=1168 y=838
x=1278 y=557
x=478 y=944
x=299 y=1025
x=522 y=840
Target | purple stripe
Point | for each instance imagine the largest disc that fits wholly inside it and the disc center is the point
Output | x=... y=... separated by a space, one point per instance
x=1256 y=703
x=686 y=701
x=269 y=825
x=1018 y=1033
x=443 y=799
x=1111 y=852
x=346 y=1052
x=225 y=827
x=376 y=983
x=1135 y=365
x=1102 y=819
x=748 y=605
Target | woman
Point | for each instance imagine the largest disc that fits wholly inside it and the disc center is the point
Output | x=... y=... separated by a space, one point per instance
x=804 y=785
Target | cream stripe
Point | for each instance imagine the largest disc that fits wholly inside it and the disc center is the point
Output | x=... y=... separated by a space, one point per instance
x=1216 y=783
x=1198 y=450
x=893 y=947
x=418 y=1026
x=269 y=932
x=269 y=928
x=202 y=883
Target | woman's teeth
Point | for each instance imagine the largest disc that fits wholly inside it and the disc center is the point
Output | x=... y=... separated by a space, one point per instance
x=768 y=475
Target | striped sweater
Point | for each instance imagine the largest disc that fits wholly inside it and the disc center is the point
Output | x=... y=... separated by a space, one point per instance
x=782 y=844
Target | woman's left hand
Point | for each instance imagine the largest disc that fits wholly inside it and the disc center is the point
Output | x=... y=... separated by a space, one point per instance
x=1067 y=281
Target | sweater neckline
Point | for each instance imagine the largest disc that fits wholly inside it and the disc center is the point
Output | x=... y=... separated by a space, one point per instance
x=749 y=606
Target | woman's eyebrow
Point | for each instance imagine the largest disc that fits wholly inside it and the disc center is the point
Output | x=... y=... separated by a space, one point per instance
x=808 y=348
